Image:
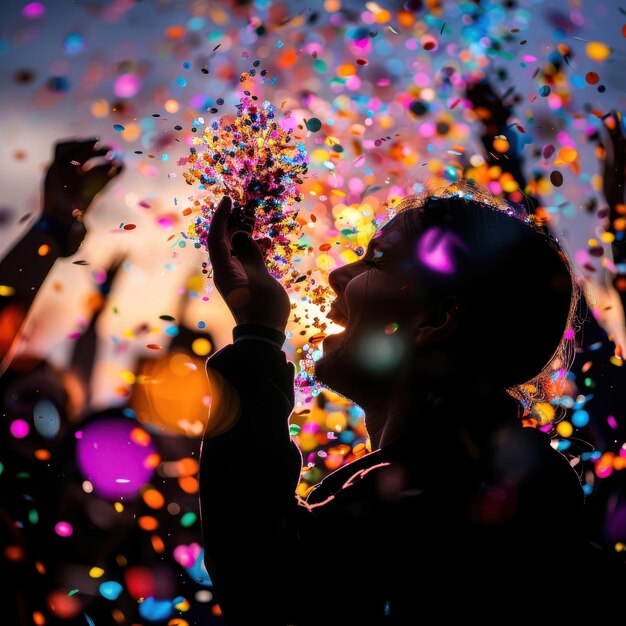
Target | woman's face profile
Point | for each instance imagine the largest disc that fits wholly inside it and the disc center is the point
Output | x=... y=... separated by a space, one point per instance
x=378 y=302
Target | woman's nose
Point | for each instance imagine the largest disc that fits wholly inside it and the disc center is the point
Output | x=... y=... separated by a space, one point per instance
x=340 y=277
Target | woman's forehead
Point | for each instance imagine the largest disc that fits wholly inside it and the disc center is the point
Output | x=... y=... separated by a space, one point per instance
x=392 y=232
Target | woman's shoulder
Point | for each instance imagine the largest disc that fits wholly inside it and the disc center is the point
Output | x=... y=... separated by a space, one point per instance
x=545 y=483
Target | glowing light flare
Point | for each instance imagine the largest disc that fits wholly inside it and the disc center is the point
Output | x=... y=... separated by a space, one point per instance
x=174 y=396
x=114 y=457
x=437 y=249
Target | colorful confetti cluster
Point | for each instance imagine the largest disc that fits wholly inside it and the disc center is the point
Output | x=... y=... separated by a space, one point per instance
x=255 y=161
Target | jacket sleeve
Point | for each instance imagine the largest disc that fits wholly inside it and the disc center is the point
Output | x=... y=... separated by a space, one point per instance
x=249 y=471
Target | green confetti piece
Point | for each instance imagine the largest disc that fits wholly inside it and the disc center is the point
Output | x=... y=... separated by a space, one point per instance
x=188 y=519
x=313 y=124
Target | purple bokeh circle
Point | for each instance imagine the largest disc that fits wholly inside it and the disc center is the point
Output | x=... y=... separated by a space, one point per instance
x=117 y=456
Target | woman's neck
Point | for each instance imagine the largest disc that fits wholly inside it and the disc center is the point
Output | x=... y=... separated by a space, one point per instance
x=429 y=412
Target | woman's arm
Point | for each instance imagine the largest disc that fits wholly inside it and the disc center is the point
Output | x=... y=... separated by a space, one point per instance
x=249 y=467
x=72 y=181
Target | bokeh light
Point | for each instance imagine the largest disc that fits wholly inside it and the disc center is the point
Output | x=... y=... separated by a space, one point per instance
x=116 y=461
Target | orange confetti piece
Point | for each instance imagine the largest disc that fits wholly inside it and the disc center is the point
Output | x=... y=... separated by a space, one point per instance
x=14 y=553
x=154 y=346
x=130 y=226
x=43 y=249
x=147 y=522
x=189 y=484
x=157 y=544
x=346 y=70
x=175 y=32
x=154 y=499
x=42 y=454
x=568 y=154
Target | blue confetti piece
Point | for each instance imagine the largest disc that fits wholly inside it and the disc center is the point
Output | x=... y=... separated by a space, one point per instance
x=110 y=589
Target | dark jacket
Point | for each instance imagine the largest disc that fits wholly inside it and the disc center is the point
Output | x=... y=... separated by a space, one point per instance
x=453 y=520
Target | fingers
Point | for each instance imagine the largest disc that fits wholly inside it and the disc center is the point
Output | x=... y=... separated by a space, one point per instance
x=265 y=243
x=217 y=241
x=216 y=238
x=80 y=150
x=249 y=254
x=103 y=173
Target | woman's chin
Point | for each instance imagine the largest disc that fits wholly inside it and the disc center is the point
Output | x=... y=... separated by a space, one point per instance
x=332 y=342
x=326 y=366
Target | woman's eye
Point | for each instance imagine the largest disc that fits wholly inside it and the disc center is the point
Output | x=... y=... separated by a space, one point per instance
x=374 y=259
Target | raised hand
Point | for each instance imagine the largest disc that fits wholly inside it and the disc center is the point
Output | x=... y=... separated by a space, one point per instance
x=79 y=171
x=241 y=276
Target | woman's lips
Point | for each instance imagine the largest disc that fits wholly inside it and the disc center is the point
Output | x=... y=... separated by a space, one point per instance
x=336 y=316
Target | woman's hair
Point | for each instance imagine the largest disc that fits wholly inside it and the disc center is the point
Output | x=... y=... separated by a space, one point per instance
x=515 y=286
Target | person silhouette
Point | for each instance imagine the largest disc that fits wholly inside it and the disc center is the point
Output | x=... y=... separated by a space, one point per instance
x=41 y=402
x=456 y=315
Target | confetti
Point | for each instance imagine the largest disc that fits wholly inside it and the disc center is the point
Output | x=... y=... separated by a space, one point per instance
x=258 y=163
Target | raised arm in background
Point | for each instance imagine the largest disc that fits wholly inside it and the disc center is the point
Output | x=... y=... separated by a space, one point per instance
x=79 y=171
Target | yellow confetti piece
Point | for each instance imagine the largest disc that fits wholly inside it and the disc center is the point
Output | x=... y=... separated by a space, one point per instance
x=201 y=346
x=6 y=290
x=128 y=377
x=597 y=51
x=565 y=429
x=119 y=507
x=183 y=605
x=607 y=237
x=544 y=412
x=96 y=572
